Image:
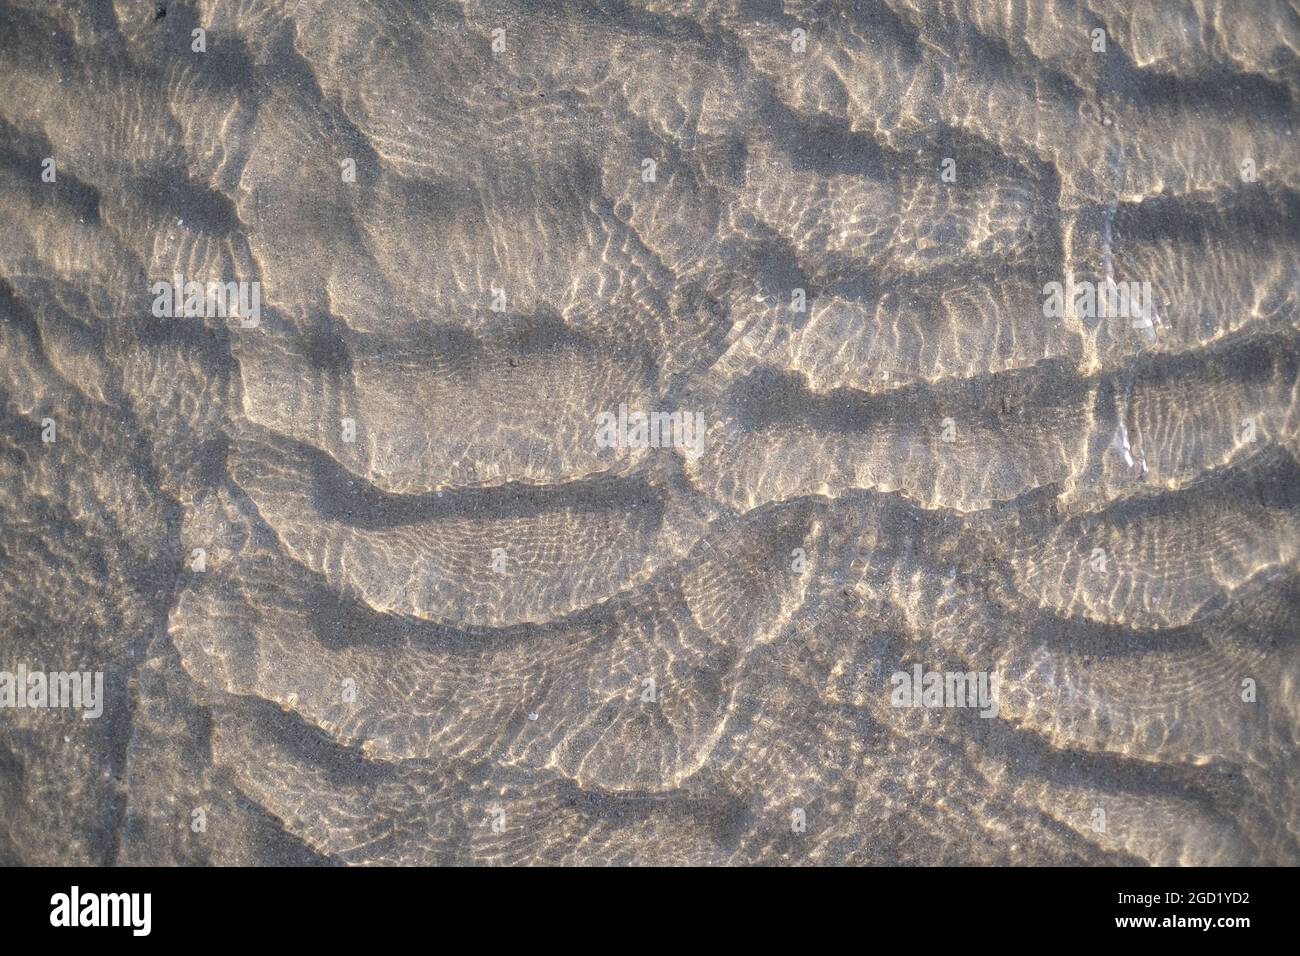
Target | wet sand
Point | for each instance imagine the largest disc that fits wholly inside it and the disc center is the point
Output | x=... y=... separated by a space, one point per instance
x=382 y=569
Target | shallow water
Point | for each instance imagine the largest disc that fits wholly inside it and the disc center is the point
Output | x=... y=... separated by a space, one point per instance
x=369 y=579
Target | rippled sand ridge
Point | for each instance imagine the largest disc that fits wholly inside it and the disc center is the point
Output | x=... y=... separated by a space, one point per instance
x=624 y=402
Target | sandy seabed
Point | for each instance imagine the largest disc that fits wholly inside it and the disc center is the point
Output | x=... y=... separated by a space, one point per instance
x=631 y=393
